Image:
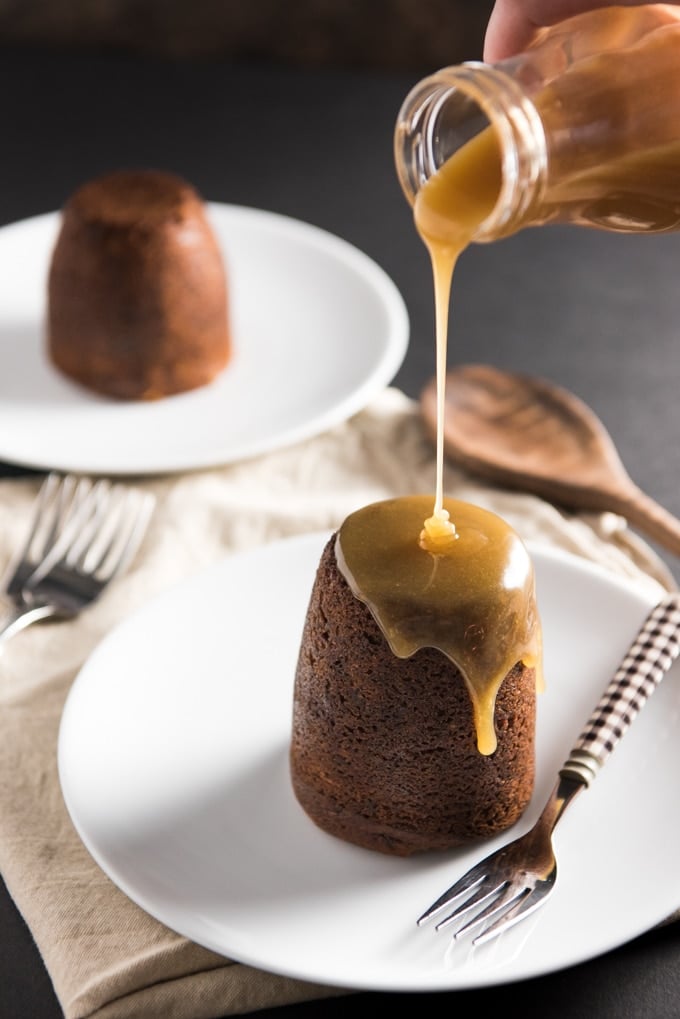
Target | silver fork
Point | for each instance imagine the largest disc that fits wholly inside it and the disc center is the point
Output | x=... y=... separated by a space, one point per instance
x=510 y=884
x=82 y=535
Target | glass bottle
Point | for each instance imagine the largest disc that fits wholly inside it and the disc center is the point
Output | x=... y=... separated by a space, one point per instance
x=583 y=127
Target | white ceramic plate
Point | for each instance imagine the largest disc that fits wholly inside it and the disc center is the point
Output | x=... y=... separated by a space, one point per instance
x=318 y=330
x=173 y=762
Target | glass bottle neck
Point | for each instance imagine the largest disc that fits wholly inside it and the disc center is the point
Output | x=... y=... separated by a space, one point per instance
x=446 y=110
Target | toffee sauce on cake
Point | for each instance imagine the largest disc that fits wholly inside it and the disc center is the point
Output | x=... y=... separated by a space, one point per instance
x=473 y=599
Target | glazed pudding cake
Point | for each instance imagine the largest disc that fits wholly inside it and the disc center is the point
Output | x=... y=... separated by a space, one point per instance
x=414 y=702
x=137 y=298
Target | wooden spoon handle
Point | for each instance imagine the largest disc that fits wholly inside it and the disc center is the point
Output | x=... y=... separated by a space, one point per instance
x=649 y=517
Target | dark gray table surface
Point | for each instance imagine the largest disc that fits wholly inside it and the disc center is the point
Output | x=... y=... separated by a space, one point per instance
x=595 y=312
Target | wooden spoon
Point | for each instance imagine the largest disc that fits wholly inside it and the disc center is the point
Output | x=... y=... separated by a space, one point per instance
x=523 y=432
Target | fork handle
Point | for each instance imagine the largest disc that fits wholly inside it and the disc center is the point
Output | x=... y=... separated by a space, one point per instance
x=648 y=659
x=19 y=619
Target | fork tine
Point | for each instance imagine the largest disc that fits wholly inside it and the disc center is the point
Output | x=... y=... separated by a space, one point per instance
x=39 y=506
x=50 y=515
x=109 y=524
x=75 y=503
x=524 y=907
x=470 y=880
x=505 y=898
x=94 y=514
x=91 y=528
x=44 y=495
x=486 y=892
x=137 y=509
x=46 y=503
x=103 y=532
x=68 y=496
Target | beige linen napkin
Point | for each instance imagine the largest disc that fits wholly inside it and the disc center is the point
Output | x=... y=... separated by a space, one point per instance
x=106 y=957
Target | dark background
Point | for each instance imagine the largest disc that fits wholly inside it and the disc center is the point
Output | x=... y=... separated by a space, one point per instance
x=291 y=107
x=386 y=34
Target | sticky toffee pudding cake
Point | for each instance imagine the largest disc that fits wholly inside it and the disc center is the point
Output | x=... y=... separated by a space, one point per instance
x=415 y=691
x=137 y=301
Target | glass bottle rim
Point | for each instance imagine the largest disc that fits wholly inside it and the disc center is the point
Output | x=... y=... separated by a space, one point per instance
x=506 y=108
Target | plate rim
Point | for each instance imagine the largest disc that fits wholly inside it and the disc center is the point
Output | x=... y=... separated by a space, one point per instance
x=381 y=374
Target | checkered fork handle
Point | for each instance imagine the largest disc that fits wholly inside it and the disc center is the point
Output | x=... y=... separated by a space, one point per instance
x=649 y=658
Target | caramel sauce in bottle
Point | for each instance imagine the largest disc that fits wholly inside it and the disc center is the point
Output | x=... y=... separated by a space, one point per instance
x=581 y=128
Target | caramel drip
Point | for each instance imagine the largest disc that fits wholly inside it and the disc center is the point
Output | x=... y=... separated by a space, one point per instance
x=474 y=599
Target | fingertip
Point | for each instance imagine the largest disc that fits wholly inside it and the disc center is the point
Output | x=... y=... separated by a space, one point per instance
x=507 y=32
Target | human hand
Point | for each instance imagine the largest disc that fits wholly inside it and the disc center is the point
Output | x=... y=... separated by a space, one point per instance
x=513 y=22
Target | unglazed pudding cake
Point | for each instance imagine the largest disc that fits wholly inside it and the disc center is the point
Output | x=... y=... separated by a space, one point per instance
x=414 y=703
x=137 y=299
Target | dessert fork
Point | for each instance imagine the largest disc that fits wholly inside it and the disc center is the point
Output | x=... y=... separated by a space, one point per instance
x=513 y=882
x=82 y=535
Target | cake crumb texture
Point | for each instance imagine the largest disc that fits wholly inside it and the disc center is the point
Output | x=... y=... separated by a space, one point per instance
x=383 y=751
x=137 y=288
